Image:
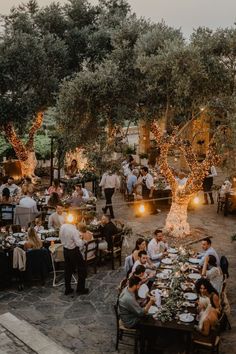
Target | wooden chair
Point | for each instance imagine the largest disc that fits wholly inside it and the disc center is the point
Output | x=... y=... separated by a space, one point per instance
x=6 y=214
x=207 y=344
x=122 y=331
x=91 y=253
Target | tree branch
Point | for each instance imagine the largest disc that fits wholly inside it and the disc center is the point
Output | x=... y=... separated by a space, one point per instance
x=36 y=126
x=15 y=141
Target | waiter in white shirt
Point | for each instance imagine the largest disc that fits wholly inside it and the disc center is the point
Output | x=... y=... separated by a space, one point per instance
x=110 y=181
x=73 y=244
x=208 y=183
x=148 y=188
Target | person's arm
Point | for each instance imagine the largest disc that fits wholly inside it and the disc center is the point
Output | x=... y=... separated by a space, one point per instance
x=78 y=241
x=206 y=328
x=85 y=194
x=117 y=182
x=50 y=222
x=205 y=264
x=213 y=172
x=102 y=183
x=216 y=301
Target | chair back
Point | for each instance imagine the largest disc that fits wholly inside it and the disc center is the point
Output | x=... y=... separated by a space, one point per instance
x=58 y=254
x=91 y=250
x=6 y=214
x=117 y=241
x=23 y=216
x=38 y=263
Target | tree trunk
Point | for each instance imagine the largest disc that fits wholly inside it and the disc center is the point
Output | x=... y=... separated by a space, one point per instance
x=176 y=221
x=28 y=166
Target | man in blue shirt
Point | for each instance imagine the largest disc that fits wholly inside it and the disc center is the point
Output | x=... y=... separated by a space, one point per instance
x=131 y=183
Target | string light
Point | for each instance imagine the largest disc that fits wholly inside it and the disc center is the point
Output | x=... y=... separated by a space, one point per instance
x=70 y=218
x=141 y=208
x=196 y=200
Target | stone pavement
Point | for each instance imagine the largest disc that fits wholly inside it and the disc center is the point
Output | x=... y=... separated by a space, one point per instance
x=86 y=324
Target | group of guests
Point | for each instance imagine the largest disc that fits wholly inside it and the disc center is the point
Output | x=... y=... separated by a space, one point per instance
x=140 y=266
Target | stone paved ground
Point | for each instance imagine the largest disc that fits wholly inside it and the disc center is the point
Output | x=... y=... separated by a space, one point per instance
x=86 y=324
x=9 y=344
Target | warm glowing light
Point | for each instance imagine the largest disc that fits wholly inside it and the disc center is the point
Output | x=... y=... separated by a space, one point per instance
x=202 y=109
x=70 y=218
x=141 y=208
x=196 y=200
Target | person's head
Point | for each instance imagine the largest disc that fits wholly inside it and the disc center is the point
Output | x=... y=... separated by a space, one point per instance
x=206 y=243
x=203 y=303
x=78 y=187
x=134 y=283
x=135 y=172
x=204 y=287
x=212 y=260
x=59 y=208
x=73 y=163
x=140 y=244
x=142 y=255
x=24 y=189
x=28 y=180
x=33 y=238
x=54 y=199
x=139 y=271
x=38 y=222
x=158 y=235
x=181 y=175
x=6 y=193
x=56 y=183
x=144 y=170
x=10 y=180
x=82 y=227
x=105 y=219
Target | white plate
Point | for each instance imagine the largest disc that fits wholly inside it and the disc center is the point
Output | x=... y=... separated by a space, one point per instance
x=162 y=275
x=167 y=271
x=190 y=296
x=172 y=250
x=19 y=234
x=166 y=261
x=143 y=291
x=43 y=231
x=185 y=286
x=52 y=239
x=152 y=310
x=22 y=243
x=186 y=317
x=194 y=260
x=194 y=276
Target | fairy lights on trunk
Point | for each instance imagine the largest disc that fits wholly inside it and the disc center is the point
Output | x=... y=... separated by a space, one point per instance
x=176 y=222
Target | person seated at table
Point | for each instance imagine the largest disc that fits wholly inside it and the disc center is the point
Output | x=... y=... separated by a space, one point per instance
x=13 y=188
x=76 y=200
x=38 y=225
x=213 y=273
x=72 y=170
x=207 y=250
x=140 y=245
x=53 y=200
x=107 y=229
x=208 y=317
x=28 y=185
x=157 y=247
x=77 y=192
x=28 y=202
x=84 y=233
x=129 y=309
x=55 y=188
x=33 y=241
x=5 y=198
x=204 y=288
x=143 y=260
x=57 y=219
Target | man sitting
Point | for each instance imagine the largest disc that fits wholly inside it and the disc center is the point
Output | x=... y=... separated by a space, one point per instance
x=107 y=230
x=78 y=190
x=207 y=251
x=28 y=202
x=157 y=246
x=13 y=188
x=129 y=309
x=58 y=218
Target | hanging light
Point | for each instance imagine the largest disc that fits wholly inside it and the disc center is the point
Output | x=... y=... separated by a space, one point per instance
x=141 y=208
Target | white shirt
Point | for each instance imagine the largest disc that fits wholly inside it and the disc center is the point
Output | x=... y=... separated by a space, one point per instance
x=55 y=220
x=182 y=181
x=148 y=180
x=13 y=188
x=85 y=194
x=210 y=251
x=28 y=202
x=156 y=249
x=213 y=172
x=70 y=237
x=110 y=181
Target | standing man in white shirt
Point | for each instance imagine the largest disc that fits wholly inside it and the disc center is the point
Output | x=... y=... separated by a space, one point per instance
x=110 y=182
x=72 y=246
x=148 y=188
x=207 y=185
x=157 y=247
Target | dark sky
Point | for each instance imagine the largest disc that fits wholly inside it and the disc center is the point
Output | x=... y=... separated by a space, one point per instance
x=187 y=14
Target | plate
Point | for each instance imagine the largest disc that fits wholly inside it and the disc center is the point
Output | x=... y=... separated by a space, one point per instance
x=52 y=239
x=162 y=275
x=194 y=276
x=166 y=261
x=19 y=234
x=21 y=243
x=172 y=250
x=43 y=231
x=167 y=271
x=194 y=260
x=190 y=296
x=185 y=286
x=143 y=291
x=186 y=317
x=152 y=310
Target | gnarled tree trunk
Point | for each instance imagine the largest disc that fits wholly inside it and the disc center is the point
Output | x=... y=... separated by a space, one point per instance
x=176 y=222
x=25 y=152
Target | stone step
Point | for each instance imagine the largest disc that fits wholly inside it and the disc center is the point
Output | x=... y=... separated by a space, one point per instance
x=30 y=336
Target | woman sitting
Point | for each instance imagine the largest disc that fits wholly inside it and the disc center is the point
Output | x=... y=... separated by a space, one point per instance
x=204 y=288
x=53 y=200
x=208 y=317
x=213 y=273
x=72 y=169
x=33 y=241
x=38 y=225
x=6 y=199
x=84 y=233
x=55 y=188
x=140 y=245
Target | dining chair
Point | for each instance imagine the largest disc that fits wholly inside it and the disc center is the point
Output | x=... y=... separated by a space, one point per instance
x=116 y=249
x=6 y=214
x=207 y=344
x=57 y=256
x=122 y=331
x=91 y=253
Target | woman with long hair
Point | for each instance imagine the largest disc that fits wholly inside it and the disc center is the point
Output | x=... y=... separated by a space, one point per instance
x=213 y=273
x=53 y=200
x=208 y=316
x=6 y=199
x=140 y=245
x=33 y=241
x=205 y=288
x=55 y=188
